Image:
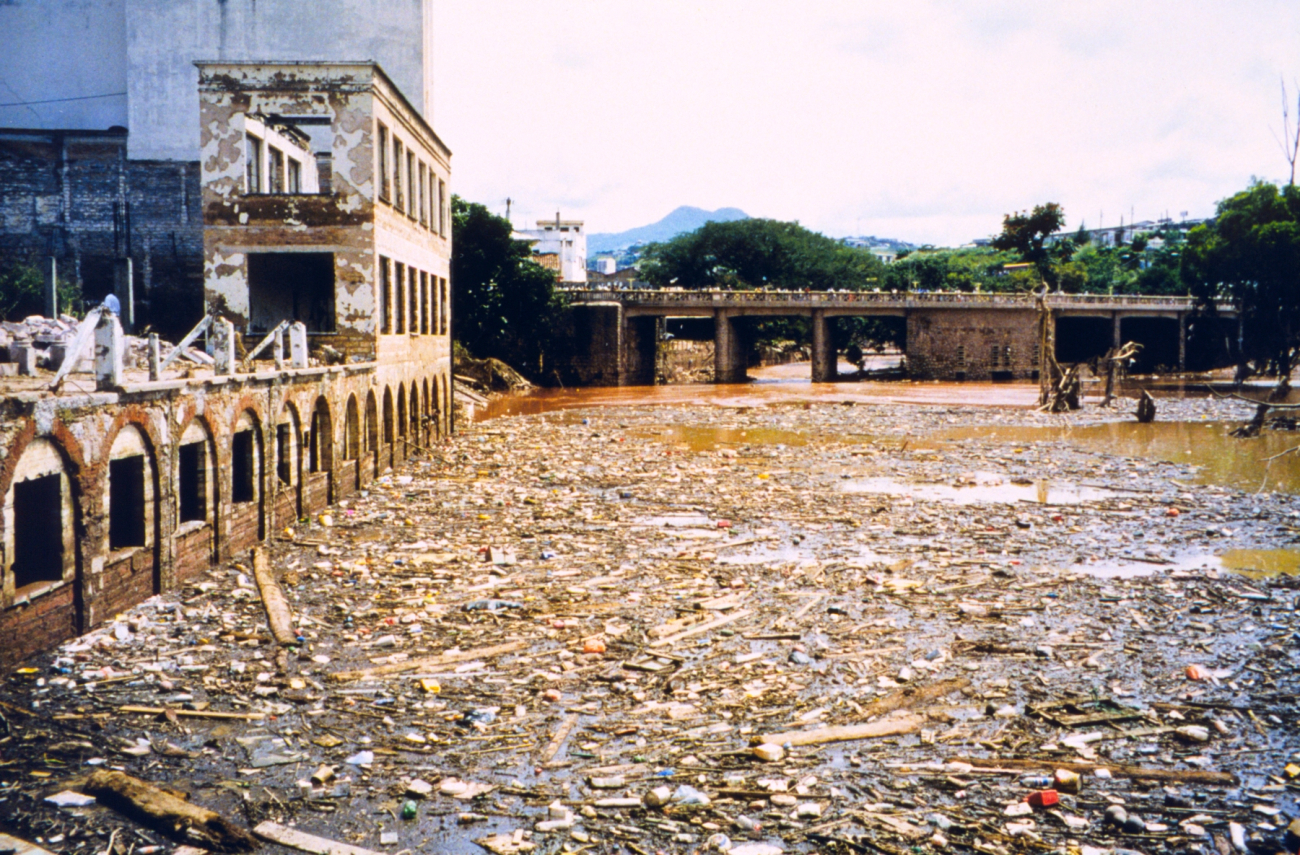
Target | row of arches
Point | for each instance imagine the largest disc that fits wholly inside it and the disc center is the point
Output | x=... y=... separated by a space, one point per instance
x=155 y=506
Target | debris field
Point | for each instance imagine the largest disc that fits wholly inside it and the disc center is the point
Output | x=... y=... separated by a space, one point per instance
x=687 y=629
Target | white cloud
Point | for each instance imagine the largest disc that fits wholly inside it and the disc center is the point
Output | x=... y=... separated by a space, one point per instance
x=925 y=120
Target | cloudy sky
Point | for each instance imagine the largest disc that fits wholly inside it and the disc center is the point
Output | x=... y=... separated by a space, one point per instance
x=924 y=120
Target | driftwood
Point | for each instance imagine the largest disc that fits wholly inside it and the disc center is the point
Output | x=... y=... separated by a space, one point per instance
x=1186 y=776
x=278 y=613
x=911 y=696
x=1256 y=424
x=1114 y=361
x=168 y=813
x=702 y=628
x=1146 y=409
x=429 y=661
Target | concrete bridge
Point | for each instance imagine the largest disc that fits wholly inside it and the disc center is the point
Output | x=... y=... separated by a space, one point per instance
x=952 y=336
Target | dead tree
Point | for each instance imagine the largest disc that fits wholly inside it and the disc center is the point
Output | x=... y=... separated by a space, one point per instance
x=1114 y=362
x=1146 y=409
x=1262 y=408
x=1058 y=388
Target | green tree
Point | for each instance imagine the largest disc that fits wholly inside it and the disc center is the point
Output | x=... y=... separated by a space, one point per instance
x=22 y=293
x=1026 y=235
x=756 y=253
x=506 y=305
x=1250 y=253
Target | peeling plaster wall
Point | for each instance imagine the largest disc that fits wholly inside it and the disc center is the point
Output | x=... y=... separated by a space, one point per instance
x=166 y=37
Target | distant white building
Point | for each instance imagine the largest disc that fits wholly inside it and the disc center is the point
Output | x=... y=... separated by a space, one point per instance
x=567 y=240
x=605 y=265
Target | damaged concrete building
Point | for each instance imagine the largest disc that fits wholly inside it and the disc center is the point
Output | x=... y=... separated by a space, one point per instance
x=322 y=197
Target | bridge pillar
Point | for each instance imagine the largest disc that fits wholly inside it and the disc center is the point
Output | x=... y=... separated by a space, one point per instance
x=728 y=350
x=824 y=368
x=1117 y=339
x=1182 y=342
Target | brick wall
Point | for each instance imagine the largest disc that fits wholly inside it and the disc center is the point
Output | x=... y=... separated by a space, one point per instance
x=951 y=344
x=75 y=196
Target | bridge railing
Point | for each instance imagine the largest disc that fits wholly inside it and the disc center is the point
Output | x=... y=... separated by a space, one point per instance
x=892 y=299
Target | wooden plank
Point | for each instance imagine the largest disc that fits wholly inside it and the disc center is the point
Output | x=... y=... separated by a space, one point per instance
x=21 y=847
x=566 y=727
x=845 y=733
x=1187 y=776
x=295 y=839
x=702 y=628
x=278 y=614
x=240 y=716
x=429 y=661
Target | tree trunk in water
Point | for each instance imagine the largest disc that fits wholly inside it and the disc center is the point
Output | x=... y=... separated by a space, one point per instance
x=1146 y=409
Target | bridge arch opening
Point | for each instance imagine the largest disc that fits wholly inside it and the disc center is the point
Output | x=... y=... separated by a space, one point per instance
x=1079 y=339
x=1159 y=340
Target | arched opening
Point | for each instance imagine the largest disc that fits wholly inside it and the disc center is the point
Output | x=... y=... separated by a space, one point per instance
x=196 y=496
x=427 y=412
x=401 y=410
x=437 y=406
x=131 y=505
x=352 y=431
x=318 y=480
x=41 y=525
x=372 y=432
x=247 y=473
x=388 y=416
x=414 y=430
x=288 y=465
x=320 y=456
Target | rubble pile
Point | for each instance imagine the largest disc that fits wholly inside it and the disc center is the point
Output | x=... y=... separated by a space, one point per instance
x=48 y=337
x=778 y=629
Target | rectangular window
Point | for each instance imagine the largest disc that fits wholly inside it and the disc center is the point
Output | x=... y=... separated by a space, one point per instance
x=424 y=303
x=126 y=502
x=383 y=163
x=410 y=185
x=254 y=172
x=399 y=297
x=442 y=208
x=275 y=169
x=420 y=206
x=193 y=483
x=385 y=297
x=446 y=306
x=243 y=467
x=398 y=161
x=414 y=294
x=38 y=531
x=295 y=176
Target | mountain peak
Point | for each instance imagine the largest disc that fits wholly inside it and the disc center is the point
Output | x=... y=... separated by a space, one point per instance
x=685 y=218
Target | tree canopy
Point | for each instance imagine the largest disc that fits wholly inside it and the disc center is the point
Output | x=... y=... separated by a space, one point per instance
x=758 y=253
x=1251 y=254
x=506 y=305
x=1026 y=235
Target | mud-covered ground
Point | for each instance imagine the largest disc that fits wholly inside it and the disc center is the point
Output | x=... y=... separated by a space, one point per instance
x=562 y=613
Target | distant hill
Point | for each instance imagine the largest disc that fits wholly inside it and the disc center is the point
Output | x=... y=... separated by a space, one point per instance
x=684 y=219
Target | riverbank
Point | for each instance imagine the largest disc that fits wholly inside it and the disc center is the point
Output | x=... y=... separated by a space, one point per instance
x=554 y=615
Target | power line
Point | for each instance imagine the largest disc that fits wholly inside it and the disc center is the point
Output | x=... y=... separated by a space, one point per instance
x=61 y=100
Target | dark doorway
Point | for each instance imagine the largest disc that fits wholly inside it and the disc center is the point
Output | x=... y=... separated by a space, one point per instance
x=284 y=453
x=126 y=502
x=291 y=286
x=193 y=482
x=38 y=531
x=1159 y=339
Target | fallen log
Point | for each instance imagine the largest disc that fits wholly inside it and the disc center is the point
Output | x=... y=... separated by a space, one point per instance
x=167 y=813
x=238 y=716
x=844 y=733
x=1187 y=776
x=428 y=662
x=278 y=614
